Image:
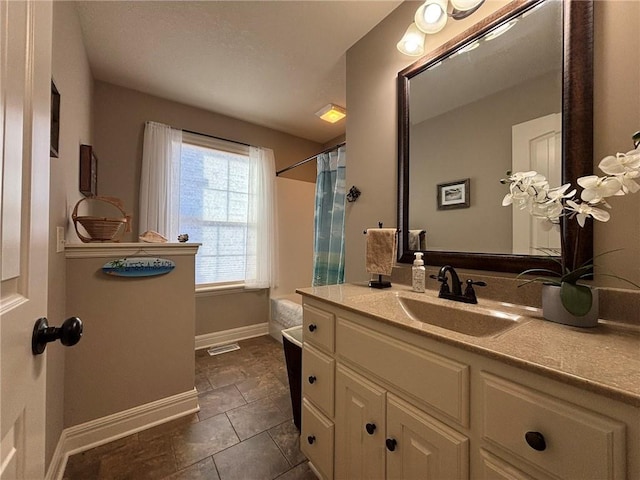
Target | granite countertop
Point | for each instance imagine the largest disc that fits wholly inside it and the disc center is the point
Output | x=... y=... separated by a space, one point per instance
x=604 y=359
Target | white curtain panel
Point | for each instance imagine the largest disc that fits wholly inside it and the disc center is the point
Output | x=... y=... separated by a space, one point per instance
x=160 y=180
x=262 y=261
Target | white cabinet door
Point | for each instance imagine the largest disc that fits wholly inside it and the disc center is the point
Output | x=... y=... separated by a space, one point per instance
x=420 y=447
x=25 y=89
x=359 y=452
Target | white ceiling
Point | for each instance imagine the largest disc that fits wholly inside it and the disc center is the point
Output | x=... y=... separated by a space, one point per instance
x=272 y=63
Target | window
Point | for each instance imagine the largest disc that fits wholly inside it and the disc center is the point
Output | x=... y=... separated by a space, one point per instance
x=214 y=206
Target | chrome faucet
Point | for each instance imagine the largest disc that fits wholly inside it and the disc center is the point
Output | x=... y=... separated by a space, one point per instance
x=455 y=293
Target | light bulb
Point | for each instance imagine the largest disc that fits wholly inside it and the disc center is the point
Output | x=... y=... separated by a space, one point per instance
x=431 y=16
x=412 y=42
x=432 y=13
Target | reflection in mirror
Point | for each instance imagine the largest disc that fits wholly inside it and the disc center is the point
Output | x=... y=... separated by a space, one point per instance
x=489 y=102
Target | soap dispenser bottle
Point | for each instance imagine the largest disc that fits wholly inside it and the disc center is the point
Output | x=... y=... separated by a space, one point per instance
x=418 y=273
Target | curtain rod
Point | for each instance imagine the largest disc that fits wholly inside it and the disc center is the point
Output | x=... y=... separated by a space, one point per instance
x=302 y=162
x=217 y=138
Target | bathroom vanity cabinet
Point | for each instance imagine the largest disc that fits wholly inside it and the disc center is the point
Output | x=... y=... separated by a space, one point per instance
x=380 y=401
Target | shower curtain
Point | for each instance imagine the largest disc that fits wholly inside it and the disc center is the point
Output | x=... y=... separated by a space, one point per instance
x=328 y=245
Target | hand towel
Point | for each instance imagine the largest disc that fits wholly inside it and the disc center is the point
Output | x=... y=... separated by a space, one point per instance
x=382 y=245
x=417 y=240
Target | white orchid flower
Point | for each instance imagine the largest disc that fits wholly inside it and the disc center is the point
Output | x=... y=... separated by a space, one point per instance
x=558 y=193
x=621 y=163
x=628 y=185
x=584 y=211
x=597 y=188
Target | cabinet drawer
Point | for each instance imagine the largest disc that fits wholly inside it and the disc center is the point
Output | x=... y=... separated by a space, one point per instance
x=318 y=376
x=316 y=439
x=571 y=442
x=318 y=327
x=437 y=381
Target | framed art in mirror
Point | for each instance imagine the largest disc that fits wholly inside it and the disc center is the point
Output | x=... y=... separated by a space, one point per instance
x=437 y=143
x=453 y=195
x=88 y=171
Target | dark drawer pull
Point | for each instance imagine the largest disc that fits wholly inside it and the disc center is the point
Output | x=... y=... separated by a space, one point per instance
x=311 y=439
x=312 y=327
x=312 y=379
x=370 y=427
x=391 y=444
x=535 y=440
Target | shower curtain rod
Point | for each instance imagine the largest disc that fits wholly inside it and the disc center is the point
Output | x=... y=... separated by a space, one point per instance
x=302 y=162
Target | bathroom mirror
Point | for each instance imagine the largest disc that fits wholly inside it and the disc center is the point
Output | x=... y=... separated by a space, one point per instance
x=463 y=109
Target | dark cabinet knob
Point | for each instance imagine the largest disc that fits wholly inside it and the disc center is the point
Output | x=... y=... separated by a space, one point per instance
x=312 y=379
x=370 y=427
x=69 y=333
x=311 y=439
x=391 y=444
x=312 y=327
x=535 y=440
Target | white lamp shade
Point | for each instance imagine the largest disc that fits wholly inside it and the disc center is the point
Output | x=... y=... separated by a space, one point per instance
x=464 y=5
x=431 y=16
x=412 y=42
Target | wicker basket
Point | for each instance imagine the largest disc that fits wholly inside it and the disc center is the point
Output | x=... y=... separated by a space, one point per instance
x=102 y=229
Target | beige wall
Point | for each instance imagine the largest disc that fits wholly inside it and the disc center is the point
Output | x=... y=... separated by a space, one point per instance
x=440 y=154
x=120 y=114
x=296 y=202
x=138 y=340
x=226 y=311
x=617 y=116
x=73 y=79
x=372 y=66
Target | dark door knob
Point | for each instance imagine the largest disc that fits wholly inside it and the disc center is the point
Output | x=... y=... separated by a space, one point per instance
x=312 y=379
x=69 y=333
x=370 y=427
x=311 y=439
x=312 y=327
x=535 y=440
x=391 y=444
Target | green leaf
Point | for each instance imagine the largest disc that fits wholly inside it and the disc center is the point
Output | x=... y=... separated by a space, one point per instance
x=538 y=270
x=577 y=299
x=577 y=274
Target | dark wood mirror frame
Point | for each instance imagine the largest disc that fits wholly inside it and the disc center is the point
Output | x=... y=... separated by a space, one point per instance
x=577 y=134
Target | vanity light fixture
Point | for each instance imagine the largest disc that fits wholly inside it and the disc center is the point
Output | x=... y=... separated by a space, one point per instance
x=500 y=30
x=331 y=113
x=468 y=48
x=431 y=17
x=412 y=42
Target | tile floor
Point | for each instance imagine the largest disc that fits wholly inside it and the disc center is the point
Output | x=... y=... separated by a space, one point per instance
x=244 y=429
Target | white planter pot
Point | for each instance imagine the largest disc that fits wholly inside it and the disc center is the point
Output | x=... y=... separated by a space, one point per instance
x=554 y=311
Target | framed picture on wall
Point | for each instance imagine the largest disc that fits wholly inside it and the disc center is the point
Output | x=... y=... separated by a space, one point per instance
x=454 y=195
x=88 y=171
x=55 y=121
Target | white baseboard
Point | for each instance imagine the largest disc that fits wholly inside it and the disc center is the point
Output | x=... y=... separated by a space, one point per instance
x=233 y=335
x=112 y=427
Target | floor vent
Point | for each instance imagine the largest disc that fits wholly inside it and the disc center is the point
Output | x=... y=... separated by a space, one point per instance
x=223 y=349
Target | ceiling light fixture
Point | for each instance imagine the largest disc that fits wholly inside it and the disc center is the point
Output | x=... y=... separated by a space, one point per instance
x=430 y=18
x=331 y=113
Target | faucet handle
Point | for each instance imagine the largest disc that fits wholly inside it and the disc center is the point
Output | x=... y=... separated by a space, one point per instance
x=470 y=293
x=444 y=288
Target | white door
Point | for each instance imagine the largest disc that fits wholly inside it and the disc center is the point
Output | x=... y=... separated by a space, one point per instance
x=537 y=145
x=25 y=90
